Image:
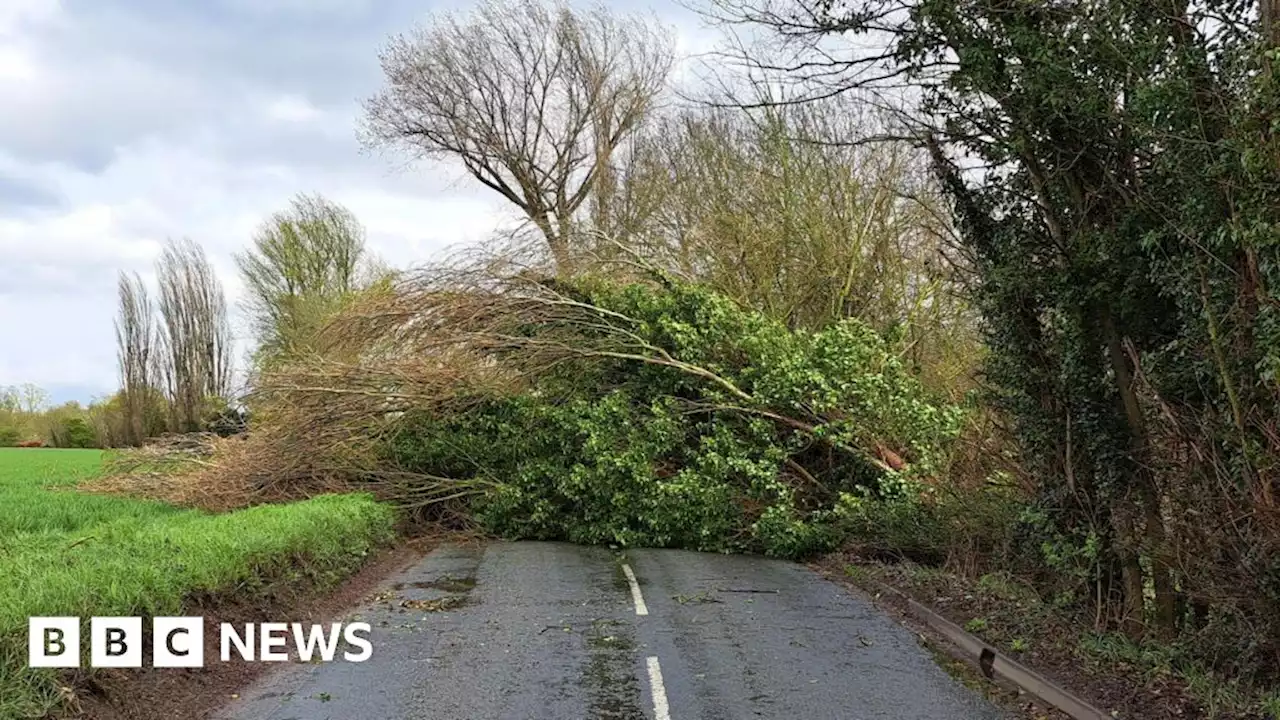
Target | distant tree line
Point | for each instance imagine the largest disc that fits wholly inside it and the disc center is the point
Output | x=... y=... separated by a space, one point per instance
x=27 y=417
x=175 y=345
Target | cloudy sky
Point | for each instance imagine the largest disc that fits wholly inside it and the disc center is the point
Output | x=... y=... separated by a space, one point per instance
x=125 y=122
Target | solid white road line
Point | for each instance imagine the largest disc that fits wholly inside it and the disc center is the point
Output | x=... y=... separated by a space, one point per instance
x=661 y=711
x=641 y=609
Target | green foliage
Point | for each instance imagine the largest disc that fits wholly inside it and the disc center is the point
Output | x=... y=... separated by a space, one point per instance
x=65 y=553
x=20 y=407
x=25 y=415
x=1181 y=658
x=109 y=417
x=617 y=450
x=78 y=433
x=306 y=263
x=1124 y=234
x=1072 y=555
x=68 y=426
x=967 y=529
x=1127 y=331
x=898 y=528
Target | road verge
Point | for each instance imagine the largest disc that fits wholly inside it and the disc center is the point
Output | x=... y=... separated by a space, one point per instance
x=151 y=693
x=990 y=662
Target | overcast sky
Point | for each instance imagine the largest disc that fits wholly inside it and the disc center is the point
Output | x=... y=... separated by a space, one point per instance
x=124 y=122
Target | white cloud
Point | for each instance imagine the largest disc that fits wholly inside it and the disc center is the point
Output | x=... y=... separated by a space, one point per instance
x=15 y=14
x=130 y=121
x=16 y=66
x=292 y=109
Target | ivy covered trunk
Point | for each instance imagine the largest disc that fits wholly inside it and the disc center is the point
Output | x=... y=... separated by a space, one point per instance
x=1115 y=178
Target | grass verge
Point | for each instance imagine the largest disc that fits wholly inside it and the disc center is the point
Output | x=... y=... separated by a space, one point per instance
x=67 y=553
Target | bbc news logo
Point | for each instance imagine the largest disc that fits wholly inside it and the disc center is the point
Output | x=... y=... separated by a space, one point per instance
x=178 y=642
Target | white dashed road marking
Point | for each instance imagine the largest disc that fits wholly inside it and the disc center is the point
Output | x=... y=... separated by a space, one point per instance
x=660 y=709
x=641 y=609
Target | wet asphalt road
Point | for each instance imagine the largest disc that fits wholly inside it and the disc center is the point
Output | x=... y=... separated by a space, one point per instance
x=549 y=631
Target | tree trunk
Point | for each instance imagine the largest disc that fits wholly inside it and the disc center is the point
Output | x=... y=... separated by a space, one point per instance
x=1131 y=574
x=556 y=242
x=1269 y=18
x=1132 y=614
x=1153 y=535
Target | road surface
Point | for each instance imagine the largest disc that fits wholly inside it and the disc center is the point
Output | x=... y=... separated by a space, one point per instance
x=509 y=631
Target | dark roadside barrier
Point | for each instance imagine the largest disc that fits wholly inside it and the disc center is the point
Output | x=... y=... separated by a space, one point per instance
x=993 y=663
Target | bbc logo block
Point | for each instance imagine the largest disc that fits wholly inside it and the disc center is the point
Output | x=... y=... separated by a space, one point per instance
x=53 y=642
x=115 y=642
x=178 y=642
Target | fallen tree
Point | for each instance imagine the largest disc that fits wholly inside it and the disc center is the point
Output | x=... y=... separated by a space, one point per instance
x=645 y=411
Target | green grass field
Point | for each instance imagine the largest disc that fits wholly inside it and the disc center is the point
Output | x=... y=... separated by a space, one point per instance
x=68 y=553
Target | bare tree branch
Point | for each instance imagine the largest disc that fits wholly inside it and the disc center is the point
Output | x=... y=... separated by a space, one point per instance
x=532 y=97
